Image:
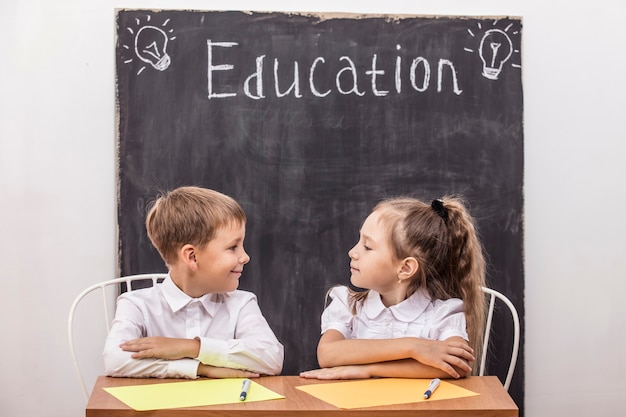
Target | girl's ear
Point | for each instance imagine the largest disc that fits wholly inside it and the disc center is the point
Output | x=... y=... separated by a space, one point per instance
x=408 y=268
x=187 y=255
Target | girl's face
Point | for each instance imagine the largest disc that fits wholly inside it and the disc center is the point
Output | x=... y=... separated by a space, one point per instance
x=372 y=262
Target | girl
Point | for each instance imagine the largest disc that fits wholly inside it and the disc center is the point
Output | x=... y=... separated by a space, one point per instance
x=422 y=309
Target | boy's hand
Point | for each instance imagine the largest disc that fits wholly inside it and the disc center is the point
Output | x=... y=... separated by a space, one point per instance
x=162 y=348
x=216 y=372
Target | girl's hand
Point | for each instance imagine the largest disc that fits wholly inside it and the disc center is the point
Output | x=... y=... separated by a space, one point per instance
x=338 y=372
x=448 y=355
x=162 y=348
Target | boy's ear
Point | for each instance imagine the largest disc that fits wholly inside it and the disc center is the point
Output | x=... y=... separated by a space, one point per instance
x=187 y=255
x=408 y=268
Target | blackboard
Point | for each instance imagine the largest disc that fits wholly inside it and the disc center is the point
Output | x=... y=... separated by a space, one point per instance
x=309 y=120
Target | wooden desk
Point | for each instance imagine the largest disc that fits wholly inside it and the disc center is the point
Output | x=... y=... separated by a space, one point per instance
x=493 y=401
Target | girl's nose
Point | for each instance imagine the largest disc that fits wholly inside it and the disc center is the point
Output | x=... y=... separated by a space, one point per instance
x=352 y=252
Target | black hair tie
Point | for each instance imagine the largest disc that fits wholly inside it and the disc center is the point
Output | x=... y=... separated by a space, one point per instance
x=437 y=205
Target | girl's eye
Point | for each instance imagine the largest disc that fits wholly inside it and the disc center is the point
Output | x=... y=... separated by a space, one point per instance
x=366 y=247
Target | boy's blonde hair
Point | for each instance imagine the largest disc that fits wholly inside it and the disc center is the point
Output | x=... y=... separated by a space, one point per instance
x=189 y=215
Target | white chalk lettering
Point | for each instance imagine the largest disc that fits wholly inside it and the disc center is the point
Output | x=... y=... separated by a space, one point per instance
x=314 y=89
x=426 y=79
x=398 y=78
x=455 y=82
x=222 y=67
x=295 y=86
x=374 y=72
x=345 y=70
x=351 y=69
x=258 y=75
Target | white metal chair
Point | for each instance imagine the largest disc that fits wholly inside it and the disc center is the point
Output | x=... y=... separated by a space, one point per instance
x=109 y=291
x=494 y=295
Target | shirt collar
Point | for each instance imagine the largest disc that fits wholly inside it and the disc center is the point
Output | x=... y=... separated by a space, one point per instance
x=406 y=311
x=177 y=299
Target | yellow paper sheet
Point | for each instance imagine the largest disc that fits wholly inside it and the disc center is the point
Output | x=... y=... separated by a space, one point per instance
x=381 y=391
x=189 y=394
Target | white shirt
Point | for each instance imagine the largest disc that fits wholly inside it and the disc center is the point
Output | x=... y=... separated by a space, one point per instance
x=231 y=328
x=417 y=316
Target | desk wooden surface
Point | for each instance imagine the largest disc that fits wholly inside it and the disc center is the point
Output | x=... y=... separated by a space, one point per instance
x=493 y=401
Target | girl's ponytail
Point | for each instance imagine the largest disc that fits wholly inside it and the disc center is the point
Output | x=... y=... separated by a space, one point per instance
x=467 y=268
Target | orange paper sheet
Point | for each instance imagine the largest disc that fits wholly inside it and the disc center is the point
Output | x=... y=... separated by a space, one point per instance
x=382 y=391
x=189 y=394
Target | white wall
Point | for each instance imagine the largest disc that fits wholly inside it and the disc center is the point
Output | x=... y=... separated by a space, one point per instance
x=57 y=189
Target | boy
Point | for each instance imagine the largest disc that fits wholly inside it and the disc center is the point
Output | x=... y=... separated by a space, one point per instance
x=196 y=323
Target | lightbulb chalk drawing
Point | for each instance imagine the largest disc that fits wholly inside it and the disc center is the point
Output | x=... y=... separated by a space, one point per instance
x=495 y=49
x=150 y=45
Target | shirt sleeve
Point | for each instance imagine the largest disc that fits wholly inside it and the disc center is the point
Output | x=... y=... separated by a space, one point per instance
x=338 y=315
x=128 y=325
x=254 y=347
x=450 y=319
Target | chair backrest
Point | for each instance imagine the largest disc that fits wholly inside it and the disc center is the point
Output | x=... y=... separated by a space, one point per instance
x=109 y=291
x=494 y=295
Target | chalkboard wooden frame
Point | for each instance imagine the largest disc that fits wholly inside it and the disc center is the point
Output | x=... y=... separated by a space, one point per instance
x=308 y=120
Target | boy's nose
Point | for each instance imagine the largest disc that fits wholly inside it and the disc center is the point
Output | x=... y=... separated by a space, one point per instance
x=245 y=258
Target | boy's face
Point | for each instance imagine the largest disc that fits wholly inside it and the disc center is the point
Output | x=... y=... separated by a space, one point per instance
x=221 y=261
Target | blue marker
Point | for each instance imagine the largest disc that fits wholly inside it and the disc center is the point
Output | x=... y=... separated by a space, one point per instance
x=245 y=387
x=432 y=387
